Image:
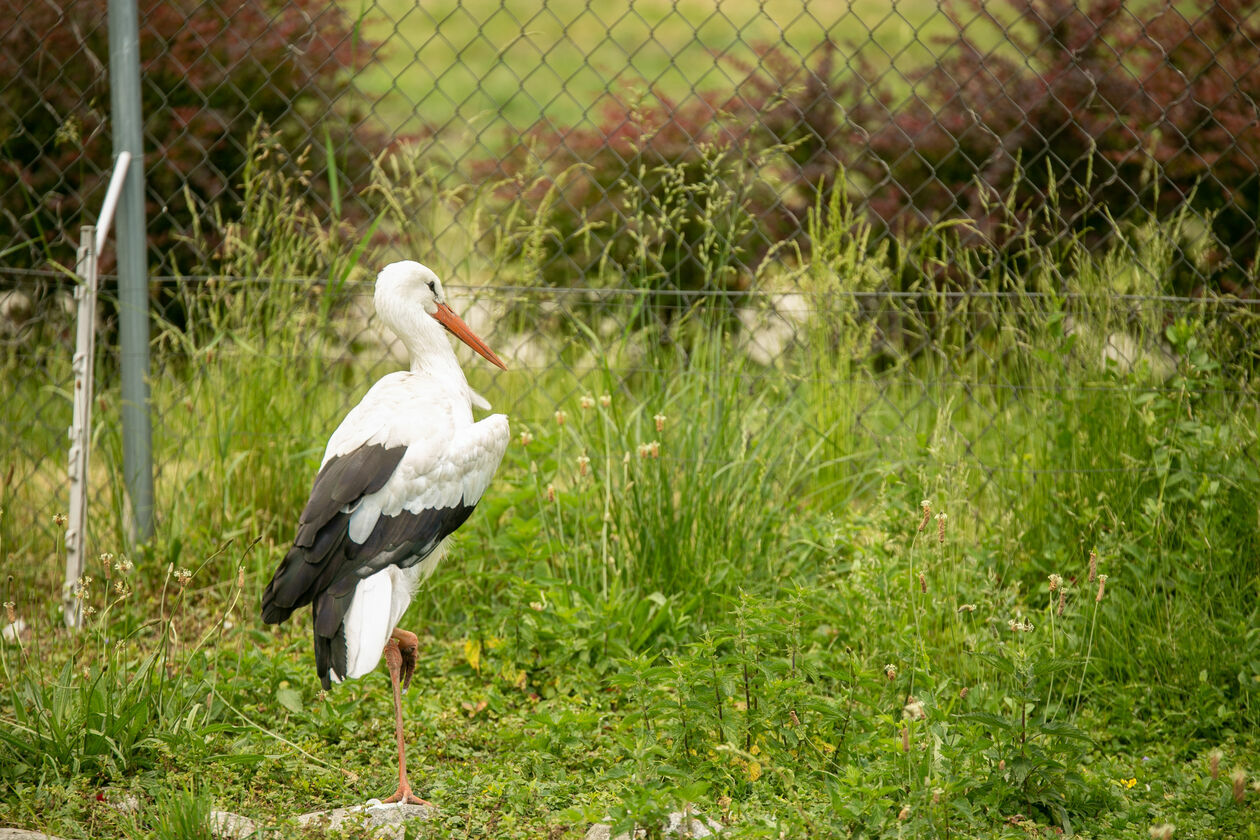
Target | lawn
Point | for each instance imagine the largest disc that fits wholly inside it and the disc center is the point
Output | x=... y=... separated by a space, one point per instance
x=475 y=69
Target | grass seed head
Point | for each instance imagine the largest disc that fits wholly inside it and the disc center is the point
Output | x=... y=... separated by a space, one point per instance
x=940 y=527
x=926 y=505
x=1239 y=779
x=1163 y=831
x=890 y=671
x=904 y=813
x=60 y=519
x=1056 y=581
x=1093 y=565
x=526 y=437
x=584 y=464
x=1214 y=763
x=586 y=401
x=922 y=583
x=182 y=576
x=1062 y=600
x=1102 y=584
x=551 y=492
x=10 y=611
x=605 y=400
x=659 y=419
x=561 y=417
x=913 y=710
x=905 y=739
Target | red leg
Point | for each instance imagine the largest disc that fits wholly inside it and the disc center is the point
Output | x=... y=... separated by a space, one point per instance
x=395 y=660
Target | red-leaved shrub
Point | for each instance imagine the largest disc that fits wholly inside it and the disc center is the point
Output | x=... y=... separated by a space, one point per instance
x=1124 y=106
x=210 y=72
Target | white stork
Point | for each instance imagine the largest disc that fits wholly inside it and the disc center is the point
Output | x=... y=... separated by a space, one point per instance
x=401 y=473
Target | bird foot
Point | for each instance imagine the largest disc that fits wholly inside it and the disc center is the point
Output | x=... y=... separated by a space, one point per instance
x=404 y=796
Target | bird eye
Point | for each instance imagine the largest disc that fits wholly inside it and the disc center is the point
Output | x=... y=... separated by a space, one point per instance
x=432 y=287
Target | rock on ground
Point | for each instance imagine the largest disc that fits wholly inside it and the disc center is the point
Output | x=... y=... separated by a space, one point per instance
x=230 y=826
x=679 y=825
x=389 y=818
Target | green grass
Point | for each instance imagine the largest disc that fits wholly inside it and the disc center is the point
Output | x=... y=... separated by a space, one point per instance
x=707 y=583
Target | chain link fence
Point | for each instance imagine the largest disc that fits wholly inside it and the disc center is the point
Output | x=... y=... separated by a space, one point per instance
x=568 y=161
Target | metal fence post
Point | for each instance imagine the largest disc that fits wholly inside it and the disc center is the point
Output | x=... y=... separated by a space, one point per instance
x=133 y=281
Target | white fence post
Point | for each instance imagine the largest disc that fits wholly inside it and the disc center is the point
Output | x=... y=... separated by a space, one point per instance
x=91 y=243
x=83 y=368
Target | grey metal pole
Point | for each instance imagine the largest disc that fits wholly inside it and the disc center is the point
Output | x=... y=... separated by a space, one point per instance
x=133 y=277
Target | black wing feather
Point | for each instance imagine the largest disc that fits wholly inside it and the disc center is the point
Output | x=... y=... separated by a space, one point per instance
x=321 y=534
x=344 y=480
x=324 y=565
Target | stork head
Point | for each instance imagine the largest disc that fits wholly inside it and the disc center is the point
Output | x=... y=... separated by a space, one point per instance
x=403 y=290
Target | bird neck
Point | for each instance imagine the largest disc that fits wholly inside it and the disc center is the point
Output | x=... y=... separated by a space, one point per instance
x=430 y=351
x=438 y=363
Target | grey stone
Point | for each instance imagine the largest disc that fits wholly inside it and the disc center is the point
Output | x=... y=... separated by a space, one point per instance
x=679 y=825
x=23 y=834
x=231 y=826
x=389 y=818
x=128 y=803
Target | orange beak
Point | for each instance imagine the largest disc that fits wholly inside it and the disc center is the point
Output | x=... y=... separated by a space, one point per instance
x=447 y=318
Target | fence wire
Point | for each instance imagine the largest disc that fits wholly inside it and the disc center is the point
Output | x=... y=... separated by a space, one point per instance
x=563 y=162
